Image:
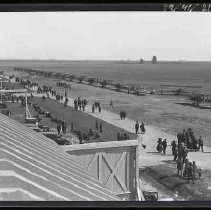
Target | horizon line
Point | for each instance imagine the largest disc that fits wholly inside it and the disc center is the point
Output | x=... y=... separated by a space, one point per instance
x=119 y=60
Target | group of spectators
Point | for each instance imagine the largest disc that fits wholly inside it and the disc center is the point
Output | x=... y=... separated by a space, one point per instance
x=188 y=170
x=80 y=104
x=95 y=106
x=122 y=114
x=186 y=142
x=188 y=138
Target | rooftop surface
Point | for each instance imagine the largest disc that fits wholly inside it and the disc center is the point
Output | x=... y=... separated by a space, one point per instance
x=32 y=167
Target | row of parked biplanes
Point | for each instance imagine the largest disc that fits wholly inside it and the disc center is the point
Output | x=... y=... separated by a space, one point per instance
x=109 y=84
x=103 y=83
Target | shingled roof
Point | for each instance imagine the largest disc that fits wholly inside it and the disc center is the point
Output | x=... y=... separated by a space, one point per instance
x=33 y=167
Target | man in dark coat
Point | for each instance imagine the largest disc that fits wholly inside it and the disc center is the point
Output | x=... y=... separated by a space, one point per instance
x=71 y=127
x=93 y=108
x=190 y=175
x=124 y=114
x=96 y=124
x=179 y=167
x=201 y=144
x=64 y=127
x=101 y=128
x=121 y=113
x=59 y=128
x=164 y=146
x=99 y=108
x=175 y=153
x=142 y=128
x=136 y=127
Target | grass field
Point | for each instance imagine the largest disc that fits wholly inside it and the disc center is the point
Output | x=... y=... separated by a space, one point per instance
x=78 y=118
x=169 y=113
x=165 y=112
x=188 y=73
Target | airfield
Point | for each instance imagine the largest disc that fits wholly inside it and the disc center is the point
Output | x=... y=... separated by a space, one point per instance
x=164 y=117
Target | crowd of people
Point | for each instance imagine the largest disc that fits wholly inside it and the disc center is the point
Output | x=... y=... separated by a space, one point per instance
x=186 y=142
x=188 y=170
x=185 y=168
x=80 y=104
x=188 y=138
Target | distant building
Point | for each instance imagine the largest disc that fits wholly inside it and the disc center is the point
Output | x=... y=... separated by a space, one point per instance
x=154 y=59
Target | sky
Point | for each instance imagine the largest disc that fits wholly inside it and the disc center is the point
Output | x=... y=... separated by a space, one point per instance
x=105 y=35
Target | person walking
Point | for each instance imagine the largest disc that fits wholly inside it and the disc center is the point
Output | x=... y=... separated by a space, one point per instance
x=75 y=104
x=65 y=102
x=58 y=128
x=190 y=173
x=195 y=170
x=142 y=127
x=99 y=108
x=164 y=146
x=175 y=153
x=121 y=114
x=64 y=127
x=159 y=145
x=111 y=104
x=179 y=167
x=173 y=146
x=83 y=106
x=71 y=127
x=93 y=108
x=101 y=128
x=185 y=171
x=136 y=127
x=96 y=125
x=80 y=137
x=201 y=144
x=124 y=114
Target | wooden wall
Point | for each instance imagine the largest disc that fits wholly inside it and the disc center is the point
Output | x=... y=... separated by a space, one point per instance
x=115 y=167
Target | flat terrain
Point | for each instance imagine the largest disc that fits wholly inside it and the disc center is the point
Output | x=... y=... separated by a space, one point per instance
x=188 y=73
x=78 y=118
x=164 y=116
x=164 y=112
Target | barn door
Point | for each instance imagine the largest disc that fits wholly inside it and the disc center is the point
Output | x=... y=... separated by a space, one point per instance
x=114 y=167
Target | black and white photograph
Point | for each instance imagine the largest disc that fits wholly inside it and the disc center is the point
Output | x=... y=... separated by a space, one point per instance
x=105 y=106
